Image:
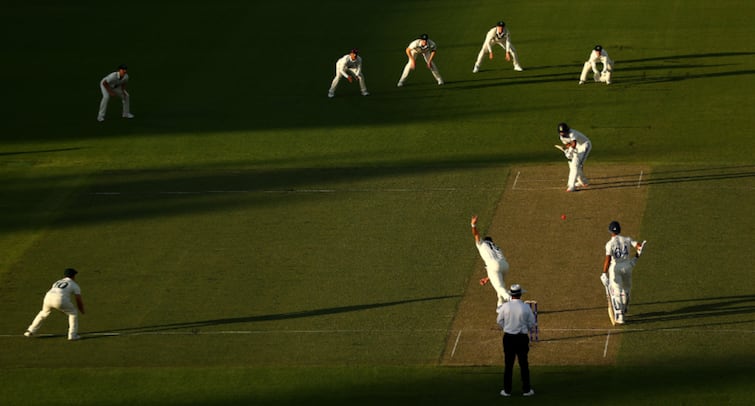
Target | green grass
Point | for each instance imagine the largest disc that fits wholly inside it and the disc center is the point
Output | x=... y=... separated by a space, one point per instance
x=255 y=242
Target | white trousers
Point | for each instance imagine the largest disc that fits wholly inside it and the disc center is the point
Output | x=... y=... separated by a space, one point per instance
x=360 y=78
x=62 y=304
x=433 y=68
x=484 y=51
x=576 y=172
x=620 y=284
x=106 y=98
x=497 y=276
x=605 y=77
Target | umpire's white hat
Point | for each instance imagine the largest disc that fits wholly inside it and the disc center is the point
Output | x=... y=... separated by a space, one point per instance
x=516 y=290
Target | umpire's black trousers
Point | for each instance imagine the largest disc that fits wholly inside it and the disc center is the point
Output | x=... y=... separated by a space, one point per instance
x=516 y=346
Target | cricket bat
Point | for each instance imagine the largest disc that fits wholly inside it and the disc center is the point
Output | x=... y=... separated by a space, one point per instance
x=559 y=147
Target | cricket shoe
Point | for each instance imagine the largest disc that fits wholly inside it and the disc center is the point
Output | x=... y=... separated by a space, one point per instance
x=100 y=119
x=28 y=333
x=641 y=248
x=582 y=184
x=129 y=116
x=505 y=394
x=476 y=69
x=74 y=337
x=570 y=189
x=331 y=95
x=581 y=82
x=530 y=393
x=400 y=84
x=365 y=93
x=518 y=68
x=440 y=82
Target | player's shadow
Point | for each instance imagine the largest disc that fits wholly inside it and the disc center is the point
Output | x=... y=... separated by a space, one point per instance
x=195 y=326
x=673 y=176
x=698 y=308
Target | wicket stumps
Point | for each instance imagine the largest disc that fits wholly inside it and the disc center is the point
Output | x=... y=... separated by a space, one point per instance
x=534 y=333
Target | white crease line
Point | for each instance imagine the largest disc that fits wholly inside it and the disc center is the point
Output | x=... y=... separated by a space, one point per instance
x=605 y=349
x=513 y=187
x=458 y=336
x=639 y=182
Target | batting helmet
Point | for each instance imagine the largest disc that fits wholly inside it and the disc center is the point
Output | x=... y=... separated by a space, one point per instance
x=614 y=227
x=423 y=36
x=598 y=48
x=501 y=24
x=563 y=128
x=70 y=272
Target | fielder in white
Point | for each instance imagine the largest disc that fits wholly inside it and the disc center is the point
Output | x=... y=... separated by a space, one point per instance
x=496 y=265
x=427 y=48
x=576 y=147
x=59 y=298
x=349 y=66
x=114 y=84
x=617 y=269
x=598 y=55
x=497 y=35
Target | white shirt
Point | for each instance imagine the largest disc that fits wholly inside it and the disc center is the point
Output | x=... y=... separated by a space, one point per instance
x=493 y=37
x=114 y=81
x=575 y=135
x=601 y=57
x=490 y=253
x=64 y=288
x=618 y=248
x=516 y=317
x=345 y=63
x=417 y=47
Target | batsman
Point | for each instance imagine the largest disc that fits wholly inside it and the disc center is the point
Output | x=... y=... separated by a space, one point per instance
x=617 y=271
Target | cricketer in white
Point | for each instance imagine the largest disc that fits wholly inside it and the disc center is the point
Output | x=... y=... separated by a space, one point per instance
x=497 y=35
x=576 y=149
x=598 y=55
x=59 y=298
x=348 y=66
x=425 y=46
x=617 y=269
x=114 y=84
x=496 y=265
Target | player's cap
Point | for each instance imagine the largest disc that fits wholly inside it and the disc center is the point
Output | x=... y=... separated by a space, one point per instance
x=423 y=36
x=614 y=227
x=122 y=66
x=501 y=24
x=354 y=51
x=598 y=48
x=70 y=272
x=516 y=290
x=563 y=128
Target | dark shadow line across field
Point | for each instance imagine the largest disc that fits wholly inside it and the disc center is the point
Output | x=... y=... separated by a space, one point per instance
x=41 y=151
x=653 y=179
x=194 y=326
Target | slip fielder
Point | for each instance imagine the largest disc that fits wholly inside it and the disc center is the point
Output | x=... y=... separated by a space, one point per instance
x=427 y=48
x=114 y=84
x=497 y=35
x=348 y=67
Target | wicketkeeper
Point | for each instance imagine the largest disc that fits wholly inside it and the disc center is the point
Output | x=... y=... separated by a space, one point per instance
x=598 y=55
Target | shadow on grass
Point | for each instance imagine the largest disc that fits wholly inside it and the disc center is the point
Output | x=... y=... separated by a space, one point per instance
x=194 y=326
x=672 y=177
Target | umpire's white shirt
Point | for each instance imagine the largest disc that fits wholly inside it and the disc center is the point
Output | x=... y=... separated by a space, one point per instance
x=516 y=317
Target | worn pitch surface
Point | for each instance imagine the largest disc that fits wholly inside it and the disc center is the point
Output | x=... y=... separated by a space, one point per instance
x=557 y=261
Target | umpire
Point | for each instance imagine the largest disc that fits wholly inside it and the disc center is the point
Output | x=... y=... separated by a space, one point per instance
x=516 y=319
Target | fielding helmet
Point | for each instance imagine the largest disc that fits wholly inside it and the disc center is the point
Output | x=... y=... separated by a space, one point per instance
x=614 y=227
x=501 y=24
x=563 y=128
x=598 y=48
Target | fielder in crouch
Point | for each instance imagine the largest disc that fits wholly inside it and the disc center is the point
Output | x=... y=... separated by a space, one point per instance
x=496 y=265
x=497 y=35
x=59 y=298
x=349 y=66
x=617 y=269
x=598 y=55
x=114 y=84
x=427 y=48
x=517 y=320
x=576 y=149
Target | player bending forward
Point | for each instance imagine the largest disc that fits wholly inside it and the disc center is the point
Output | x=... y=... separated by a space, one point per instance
x=349 y=66
x=617 y=269
x=495 y=265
